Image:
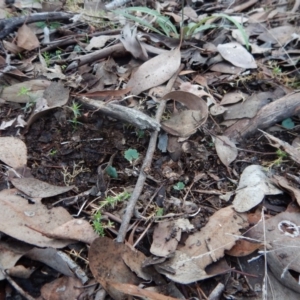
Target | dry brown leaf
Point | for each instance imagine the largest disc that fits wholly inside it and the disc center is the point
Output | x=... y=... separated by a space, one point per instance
x=13 y=152
x=243 y=248
x=205 y=247
x=130 y=289
x=27 y=39
x=113 y=93
x=226 y=149
x=155 y=71
x=237 y=55
x=37 y=188
x=165 y=238
x=23 y=221
x=62 y=288
x=76 y=229
x=108 y=268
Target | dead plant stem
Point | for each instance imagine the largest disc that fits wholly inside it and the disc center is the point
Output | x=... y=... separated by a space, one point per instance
x=146 y=166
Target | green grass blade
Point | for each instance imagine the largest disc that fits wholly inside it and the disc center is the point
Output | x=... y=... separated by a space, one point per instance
x=238 y=26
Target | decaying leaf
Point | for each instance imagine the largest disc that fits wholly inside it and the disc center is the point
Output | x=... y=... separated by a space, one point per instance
x=253 y=186
x=108 y=268
x=155 y=71
x=226 y=149
x=204 y=247
x=13 y=152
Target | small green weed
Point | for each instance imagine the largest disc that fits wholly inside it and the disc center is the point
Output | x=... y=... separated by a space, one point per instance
x=99 y=226
x=28 y=107
x=75 y=108
x=131 y=155
x=179 y=186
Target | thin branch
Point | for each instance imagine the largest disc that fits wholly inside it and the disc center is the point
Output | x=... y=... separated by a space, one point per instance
x=146 y=166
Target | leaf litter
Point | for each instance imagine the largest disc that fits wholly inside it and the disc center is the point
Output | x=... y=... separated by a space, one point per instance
x=217 y=197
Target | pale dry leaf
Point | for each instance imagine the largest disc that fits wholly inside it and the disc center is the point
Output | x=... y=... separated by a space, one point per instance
x=284 y=239
x=36 y=188
x=155 y=71
x=25 y=91
x=205 y=247
x=254 y=184
x=27 y=39
x=13 y=152
x=76 y=229
x=226 y=149
x=25 y=221
x=98 y=42
x=237 y=55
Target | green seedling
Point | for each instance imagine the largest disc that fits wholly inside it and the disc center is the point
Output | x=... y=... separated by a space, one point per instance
x=99 y=226
x=111 y=171
x=75 y=108
x=28 y=107
x=179 y=186
x=159 y=212
x=52 y=152
x=47 y=58
x=131 y=155
x=113 y=200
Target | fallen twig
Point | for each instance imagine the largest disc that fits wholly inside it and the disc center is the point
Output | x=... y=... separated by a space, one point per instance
x=146 y=166
x=270 y=114
x=7 y=26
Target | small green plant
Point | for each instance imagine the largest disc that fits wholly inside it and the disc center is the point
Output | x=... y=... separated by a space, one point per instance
x=140 y=133
x=99 y=226
x=24 y=91
x=159 y=212
x=47 y=58
x=52 y=152
x=279 y=160
x=75 y=108
x=131 y=155
x=111 y=171
x=51 y=25
x=113 y=200
x=179 y=186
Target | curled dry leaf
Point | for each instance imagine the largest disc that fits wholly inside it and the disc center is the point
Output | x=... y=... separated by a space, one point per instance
x=13 y=152
x=253 y=186
x=226 y=149
x=108 y=268
x=155 y=71
x=186 y=122
x=237 y=55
